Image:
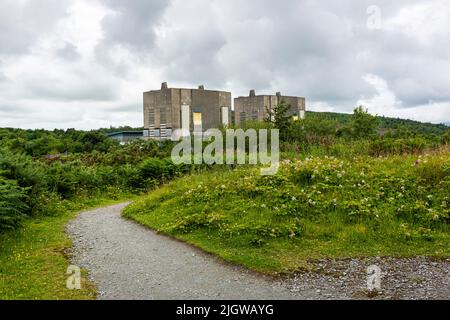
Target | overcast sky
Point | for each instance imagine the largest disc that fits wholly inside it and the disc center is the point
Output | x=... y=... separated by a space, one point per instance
x=85 y=63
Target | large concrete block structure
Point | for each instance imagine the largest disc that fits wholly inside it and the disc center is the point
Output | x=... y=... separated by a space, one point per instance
x=169 y=109
x=255 y=107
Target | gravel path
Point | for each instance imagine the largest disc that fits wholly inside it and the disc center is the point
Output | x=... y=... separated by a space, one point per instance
x=129 y=261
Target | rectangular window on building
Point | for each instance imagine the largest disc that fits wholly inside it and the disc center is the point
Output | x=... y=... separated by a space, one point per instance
x=254 y=115
x=162 y=116
x=243 y=116
x=197 y=119
x=154 y=133
x=163 y=133
x=151 y=118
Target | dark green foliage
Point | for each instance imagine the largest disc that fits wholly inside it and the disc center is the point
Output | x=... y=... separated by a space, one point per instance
x=361 y=125
x=12 y=205
x=387 y=146
x=42 y=142
x=320 y=207
x=311 y=131
x=323 y=133
x=386 y=123
x=82 y=165
x=280 y=119
x=446 y=137
x=44 y=168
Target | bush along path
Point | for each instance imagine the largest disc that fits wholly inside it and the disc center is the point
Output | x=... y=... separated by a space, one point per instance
x=129 y=261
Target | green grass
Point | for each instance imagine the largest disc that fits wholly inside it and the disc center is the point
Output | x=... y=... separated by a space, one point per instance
x=34 y=258
x=317 y=208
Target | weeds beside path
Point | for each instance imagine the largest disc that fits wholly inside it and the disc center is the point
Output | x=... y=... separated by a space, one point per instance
x=312 y=209
x=129 y=261
x=34 y=259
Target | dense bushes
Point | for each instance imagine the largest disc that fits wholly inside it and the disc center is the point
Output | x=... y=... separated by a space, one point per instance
x=446 y=137
x=312 y=208
x=12 y=205
x=32 y=184
x=392 y=124
x=42 y=142
x=43 y=168
x=389 y=146
x=357 y=134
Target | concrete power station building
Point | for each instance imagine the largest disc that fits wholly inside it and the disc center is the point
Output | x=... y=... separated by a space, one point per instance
x=195 y=110
x=255 y=107
x=169 y=109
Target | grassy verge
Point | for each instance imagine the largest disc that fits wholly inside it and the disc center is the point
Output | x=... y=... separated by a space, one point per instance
x=312 y=209
x=34 y=258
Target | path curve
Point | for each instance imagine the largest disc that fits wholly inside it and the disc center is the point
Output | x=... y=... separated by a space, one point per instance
x=129 y=261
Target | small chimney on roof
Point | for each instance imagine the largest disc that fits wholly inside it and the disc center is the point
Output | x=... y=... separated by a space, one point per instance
x=252 y=93
x=163 y=85
x=278 y=94
x=201 y=87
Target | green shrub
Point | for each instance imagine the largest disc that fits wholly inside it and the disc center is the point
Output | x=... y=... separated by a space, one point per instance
x=375 y=192
x=12 y=206
x=391 y=146
x=363 y=124
x=446 y=137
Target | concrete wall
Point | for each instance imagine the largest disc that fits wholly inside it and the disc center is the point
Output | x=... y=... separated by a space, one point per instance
x=256 y=106
x=170 y=100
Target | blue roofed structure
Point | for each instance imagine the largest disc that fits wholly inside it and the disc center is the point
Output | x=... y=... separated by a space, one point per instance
x=126 y=136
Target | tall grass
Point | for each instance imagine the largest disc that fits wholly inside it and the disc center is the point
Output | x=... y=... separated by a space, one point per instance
x=313 y=207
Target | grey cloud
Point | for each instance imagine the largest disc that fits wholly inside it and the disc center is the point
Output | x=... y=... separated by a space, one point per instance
x=23 y=22
x=318 y=49
x=63 y=93
x=263 y=44
x=10 y=109
x=310 y=48
x=412 y=70
x=132 y=23
x=196 y=58
x=69 y=52
x=126 y=108
x=132 y=26
x=78 y=87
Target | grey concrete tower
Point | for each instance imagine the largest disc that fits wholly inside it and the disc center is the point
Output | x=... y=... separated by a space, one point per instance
x=168 y=109
x=254 y=107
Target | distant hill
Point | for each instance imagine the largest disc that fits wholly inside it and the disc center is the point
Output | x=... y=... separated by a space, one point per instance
x=390 y=123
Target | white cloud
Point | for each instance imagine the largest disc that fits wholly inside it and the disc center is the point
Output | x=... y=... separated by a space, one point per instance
x=422 y=22
x=385 y=103
x=83 y=63
x=384 y=100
